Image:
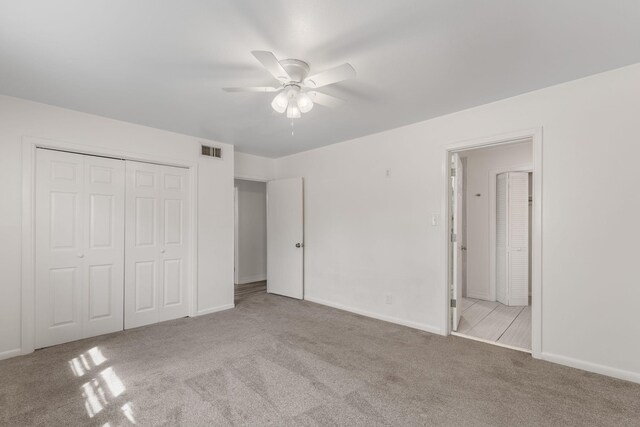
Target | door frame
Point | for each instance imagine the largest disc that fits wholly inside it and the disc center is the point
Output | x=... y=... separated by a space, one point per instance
x=492 y=221
x=29 y=146
x=236 y=235
x=534 y=135
x=236 y=214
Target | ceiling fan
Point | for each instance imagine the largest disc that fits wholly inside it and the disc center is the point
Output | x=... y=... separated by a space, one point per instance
x=297 y=85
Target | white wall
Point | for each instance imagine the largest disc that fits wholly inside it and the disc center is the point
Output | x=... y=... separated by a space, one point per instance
x=20 y=118
x=480 y=163
x=368 y=235
x=252 y=231
x=255 y=168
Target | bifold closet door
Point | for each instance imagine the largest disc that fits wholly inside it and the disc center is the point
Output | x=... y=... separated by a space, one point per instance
x=157 y=244
x=79 y=241
x=512 y=238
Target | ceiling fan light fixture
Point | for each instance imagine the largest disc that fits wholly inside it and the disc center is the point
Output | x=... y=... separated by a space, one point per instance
x=280 y=102
x=293 y=112
x=304 y=102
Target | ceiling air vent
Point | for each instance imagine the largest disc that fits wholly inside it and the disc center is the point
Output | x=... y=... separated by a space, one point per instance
x=212 y=151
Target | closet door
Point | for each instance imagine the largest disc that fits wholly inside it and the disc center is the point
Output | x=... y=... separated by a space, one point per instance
x=502 y=271
x=103 y=236
x=512 y=238
x=157 y=244
x=518 y=243
x=79 y=244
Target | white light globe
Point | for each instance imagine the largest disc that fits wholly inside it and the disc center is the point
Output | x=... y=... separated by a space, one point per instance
x=304 y=102
x=280 y=102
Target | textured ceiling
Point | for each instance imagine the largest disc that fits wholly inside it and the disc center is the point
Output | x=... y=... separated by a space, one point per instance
x=163 y=63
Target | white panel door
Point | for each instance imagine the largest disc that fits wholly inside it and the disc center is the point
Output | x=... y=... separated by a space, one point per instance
x=79 y=246
x=456 y=241
x=157 y=244
x=103 y=273
x=518 y=244
x=285 y=246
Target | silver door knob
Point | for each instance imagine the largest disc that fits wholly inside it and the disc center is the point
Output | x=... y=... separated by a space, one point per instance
x=80 y=255
x=298 y=245
x=161 y=251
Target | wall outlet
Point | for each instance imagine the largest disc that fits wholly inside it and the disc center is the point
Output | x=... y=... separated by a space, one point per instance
x=435 y=220
x=389 y=299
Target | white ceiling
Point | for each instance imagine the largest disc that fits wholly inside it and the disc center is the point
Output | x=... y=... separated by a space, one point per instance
x=162 y=63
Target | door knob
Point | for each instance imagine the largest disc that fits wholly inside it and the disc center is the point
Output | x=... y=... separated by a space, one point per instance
x=161 y=251
x=80 y=255
x=298 y=245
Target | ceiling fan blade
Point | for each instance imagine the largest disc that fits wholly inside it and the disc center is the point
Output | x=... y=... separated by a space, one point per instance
x=271 y=63
x=331 y=76
x=251 y=89
x=325 y=100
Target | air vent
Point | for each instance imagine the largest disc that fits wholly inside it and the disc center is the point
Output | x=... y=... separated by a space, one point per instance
x=212 y=151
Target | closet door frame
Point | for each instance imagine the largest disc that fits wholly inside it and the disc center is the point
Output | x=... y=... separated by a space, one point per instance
x=29 y=147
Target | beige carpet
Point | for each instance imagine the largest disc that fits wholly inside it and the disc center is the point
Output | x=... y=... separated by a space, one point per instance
x=279 y=361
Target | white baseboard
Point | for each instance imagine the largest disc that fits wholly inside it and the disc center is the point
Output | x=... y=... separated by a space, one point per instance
x=251 y=279
x=478 y=296
x=215 y=309
x=10 y=353
x=391 y=319
x=591 y=367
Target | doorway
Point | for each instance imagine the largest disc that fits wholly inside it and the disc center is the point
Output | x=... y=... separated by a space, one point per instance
x=493 y=238
x=250 y=236
x=269 y=231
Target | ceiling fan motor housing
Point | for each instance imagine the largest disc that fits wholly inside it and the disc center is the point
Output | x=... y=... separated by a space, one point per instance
x=297 y=70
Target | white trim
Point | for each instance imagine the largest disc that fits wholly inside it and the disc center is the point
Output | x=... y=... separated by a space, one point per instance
x=10 y=353
x=493 y=173
x=499 y=344
x=252 y=178
x=236 y=237
x=215 y=309
x=250 y=279
x=591 y=367
x=535 y=135
x=390 y=319
x=479 y=296
x=29 y=146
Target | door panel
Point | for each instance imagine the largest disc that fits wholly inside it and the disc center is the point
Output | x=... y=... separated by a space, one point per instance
x=63 y=296
x=157 y=245
x=502 y=271
x=58 y=246
x=79 y=246
x=518 y=238
x=145 y=285
x=103 y=272
x=512 y=238
x=285 y=237
x=172 y=282
x=100 y=290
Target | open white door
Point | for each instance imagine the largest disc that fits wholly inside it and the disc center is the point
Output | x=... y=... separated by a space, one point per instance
x=456 y=307
x=285 y=237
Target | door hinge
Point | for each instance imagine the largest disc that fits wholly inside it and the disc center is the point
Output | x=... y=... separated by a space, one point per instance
x=453 y=303
x=453 y=172
x=454 y=238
